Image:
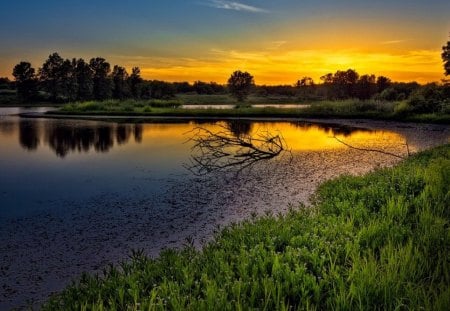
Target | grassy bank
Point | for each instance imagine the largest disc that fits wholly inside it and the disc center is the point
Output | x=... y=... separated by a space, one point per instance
x=323 y=109
x=379 y=241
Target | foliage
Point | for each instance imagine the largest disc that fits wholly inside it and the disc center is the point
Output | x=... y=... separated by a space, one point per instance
x=134 y=80
x=26 y=81
x=429 y=98
x=85 y=81
x=375 y=242
x=156 y=89
x=120 y=83
x=446 y=58
x=102 y=83
x=239 y=84
x=371 y=109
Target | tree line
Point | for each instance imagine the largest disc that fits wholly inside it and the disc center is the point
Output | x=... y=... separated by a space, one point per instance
x=66 y=80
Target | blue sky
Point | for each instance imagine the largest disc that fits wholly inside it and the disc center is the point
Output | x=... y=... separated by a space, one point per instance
x=157 y=34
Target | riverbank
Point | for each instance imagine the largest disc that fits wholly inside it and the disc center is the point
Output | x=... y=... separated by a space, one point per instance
x=376 y=241
x=348 y=109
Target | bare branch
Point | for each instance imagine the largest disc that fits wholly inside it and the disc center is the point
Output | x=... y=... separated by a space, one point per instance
x=223 y=150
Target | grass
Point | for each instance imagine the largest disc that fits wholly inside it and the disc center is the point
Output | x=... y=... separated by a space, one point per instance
x=323 y=109
x=380 y=241
x=194 y=99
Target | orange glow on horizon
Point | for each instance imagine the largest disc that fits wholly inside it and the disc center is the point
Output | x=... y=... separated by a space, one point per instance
x=278 y=67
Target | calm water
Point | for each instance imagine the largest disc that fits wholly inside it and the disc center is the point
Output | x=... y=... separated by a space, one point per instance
x=47 y=162
x=76 y=195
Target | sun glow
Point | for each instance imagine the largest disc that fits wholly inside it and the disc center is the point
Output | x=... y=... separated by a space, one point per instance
x=286 y=67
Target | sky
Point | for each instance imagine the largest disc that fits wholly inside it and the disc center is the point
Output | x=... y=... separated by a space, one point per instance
x=278 y=42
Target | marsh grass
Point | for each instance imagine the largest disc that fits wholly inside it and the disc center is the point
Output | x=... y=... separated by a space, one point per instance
x=380 y=241
x=324 y=109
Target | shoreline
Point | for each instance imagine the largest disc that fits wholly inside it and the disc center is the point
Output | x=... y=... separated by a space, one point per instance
x=103 y=229
x=225 y=115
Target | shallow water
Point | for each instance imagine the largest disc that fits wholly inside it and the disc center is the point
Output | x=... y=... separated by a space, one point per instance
x=76 y=195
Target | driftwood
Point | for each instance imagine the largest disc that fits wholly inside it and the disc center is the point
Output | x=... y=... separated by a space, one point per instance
x=227 y=151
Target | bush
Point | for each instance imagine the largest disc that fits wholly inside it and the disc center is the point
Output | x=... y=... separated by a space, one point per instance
x=427 y=99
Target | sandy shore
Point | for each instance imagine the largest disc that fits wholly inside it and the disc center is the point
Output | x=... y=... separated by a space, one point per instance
x=43 y=253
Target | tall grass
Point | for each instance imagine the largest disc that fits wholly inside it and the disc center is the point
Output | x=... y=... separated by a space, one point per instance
x=323 y=109
x=380 y=241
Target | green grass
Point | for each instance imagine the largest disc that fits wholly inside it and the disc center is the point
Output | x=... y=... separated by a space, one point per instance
x=380 y=241
x=323 y=109
x=195 y=99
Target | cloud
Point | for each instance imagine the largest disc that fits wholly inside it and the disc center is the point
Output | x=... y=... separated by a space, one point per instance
x=233 y=5
x=393 y=41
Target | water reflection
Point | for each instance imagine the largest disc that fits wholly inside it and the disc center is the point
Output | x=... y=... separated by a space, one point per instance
x=66 y=137
x=331 y=129
x=29 y=135
x=239 y=127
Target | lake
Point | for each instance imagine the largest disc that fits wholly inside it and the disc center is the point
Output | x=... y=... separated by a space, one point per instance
x=76 y=195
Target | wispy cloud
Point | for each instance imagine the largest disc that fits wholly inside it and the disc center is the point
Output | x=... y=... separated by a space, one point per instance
x=393 y=42
x=233 y=5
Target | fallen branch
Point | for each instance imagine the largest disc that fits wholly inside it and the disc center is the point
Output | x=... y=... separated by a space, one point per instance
x=223 y=150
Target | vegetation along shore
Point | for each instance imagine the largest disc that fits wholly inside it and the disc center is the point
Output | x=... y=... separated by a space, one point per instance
x=375 y=241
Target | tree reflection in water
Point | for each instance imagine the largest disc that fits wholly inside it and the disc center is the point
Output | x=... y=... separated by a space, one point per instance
x=65 y=138
x=29 y=135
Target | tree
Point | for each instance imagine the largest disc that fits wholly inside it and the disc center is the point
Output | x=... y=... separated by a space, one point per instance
x=26 y=81
x=344 y=83
x=84 y=76
x=120 y=85
x=240 y=83
x=101 y=82
x=5 y=83
x=68 y=80
x=51 y=77
x=306 y=87
x=446 y=58
x=134 y=80
x=366 y=87
x=383 y=83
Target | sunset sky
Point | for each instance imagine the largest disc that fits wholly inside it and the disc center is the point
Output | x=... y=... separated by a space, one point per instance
x=277 y=41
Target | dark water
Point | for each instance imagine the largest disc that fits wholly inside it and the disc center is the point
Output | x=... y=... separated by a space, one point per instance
x=76 y=195
x=46 y=162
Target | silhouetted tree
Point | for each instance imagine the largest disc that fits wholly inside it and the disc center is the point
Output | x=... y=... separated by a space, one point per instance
x=26 y=81
x=383 y=83
x=305 y=87
x=366 y=87
x=239 y=84
x=68 y=80
x=102 y=83
x=51 y=76
x=203 y=88
x=183 y=87
x=134 y=80
x=84 y=76
x=120 y=85
x=327 y=79
x=5 y=84
x=156 y=89
x=446 y=58
x=344 y=83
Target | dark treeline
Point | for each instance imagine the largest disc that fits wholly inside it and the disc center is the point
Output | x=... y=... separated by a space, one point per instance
x=65 y=80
